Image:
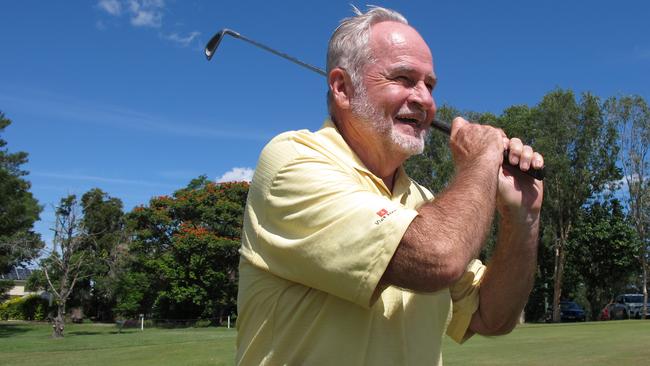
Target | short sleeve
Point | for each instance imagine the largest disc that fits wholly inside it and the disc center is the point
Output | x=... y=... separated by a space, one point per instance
x=314 y=222
x=465 y=300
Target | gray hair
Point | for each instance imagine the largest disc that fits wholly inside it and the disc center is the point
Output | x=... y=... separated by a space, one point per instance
x=348 y=47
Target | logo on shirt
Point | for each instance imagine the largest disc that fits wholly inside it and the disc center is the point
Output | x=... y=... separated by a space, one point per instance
x=383 y=214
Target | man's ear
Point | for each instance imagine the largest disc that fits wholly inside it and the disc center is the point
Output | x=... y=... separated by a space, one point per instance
x=341 y=87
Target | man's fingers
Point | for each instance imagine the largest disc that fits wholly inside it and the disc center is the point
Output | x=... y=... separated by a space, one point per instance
x=516 y=147
x=538 y=161
x=456 y=124
x=526 y=158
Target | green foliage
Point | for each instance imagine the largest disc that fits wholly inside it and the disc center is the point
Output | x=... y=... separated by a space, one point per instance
x=580 y=150
x=5 y=286
x=631 y=114
x=184 y=253
x=18 y=242
x=32 y=307
x=106 y=240
x=602 y=249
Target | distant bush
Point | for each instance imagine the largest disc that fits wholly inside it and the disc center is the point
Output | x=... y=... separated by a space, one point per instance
x=32 y=307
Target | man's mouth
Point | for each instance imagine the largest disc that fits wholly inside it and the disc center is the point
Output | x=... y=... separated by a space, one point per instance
x=412 y=120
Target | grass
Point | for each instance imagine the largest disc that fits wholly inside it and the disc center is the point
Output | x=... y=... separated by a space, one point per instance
x=99 y=344
x=617 y=343
x=625 y=342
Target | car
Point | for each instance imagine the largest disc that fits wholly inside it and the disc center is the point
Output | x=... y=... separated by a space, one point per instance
x=627 y=306
x=571 y=312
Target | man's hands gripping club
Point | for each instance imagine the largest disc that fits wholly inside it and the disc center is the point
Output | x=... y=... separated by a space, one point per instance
x=519 y=197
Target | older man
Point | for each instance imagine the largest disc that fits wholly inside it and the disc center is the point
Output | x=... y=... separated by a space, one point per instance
x=346 y=260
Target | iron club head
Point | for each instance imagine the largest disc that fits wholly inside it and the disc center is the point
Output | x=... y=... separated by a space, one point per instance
x=211 y=46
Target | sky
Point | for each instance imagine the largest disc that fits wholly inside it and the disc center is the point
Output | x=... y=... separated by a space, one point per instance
x=117 y=94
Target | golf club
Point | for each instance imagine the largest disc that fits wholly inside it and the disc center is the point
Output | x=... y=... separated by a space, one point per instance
x=211 y=48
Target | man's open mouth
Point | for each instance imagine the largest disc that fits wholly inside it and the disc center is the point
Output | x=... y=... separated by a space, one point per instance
x=408 y=120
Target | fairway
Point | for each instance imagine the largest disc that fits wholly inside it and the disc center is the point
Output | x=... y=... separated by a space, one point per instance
x=594 y=343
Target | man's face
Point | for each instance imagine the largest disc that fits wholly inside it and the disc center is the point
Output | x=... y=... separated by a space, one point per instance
x=395 y=91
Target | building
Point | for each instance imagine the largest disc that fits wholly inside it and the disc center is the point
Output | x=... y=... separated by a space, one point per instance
x=19 y=276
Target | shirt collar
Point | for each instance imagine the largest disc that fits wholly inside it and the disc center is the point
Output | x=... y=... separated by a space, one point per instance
x=333 y=136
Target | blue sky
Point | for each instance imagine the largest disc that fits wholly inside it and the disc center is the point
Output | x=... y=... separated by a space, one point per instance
x=117 y=94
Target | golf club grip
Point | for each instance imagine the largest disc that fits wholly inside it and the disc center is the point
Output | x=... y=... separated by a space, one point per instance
x=535 y=173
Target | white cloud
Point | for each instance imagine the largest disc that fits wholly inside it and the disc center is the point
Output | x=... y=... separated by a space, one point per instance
x=94 y=178
x=237 y=175
x=112 y=7
x=142 y=13
x=183 y=41
x=146 y=13
x=74 y=110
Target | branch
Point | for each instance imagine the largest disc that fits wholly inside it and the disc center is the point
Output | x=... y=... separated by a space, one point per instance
x=47 y=276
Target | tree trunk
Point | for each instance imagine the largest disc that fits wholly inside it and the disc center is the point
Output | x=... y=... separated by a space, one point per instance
x=59 y=322
x=558 y=276
x=644 y=267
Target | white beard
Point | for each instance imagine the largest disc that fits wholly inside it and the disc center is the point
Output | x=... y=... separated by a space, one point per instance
x=364 y=110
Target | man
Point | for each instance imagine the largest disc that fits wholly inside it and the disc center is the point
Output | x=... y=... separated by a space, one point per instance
x=344 y=259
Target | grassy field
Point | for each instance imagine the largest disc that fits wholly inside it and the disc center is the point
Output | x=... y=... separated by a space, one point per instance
x=600 y=343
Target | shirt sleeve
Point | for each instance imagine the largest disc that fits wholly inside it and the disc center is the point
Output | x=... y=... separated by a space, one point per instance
x=313 y=222
x=465 y=300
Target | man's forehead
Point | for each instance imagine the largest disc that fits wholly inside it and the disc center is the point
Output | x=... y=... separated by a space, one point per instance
x=402 y=44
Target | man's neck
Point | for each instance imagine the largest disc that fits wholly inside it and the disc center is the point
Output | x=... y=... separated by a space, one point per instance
x=377 y=158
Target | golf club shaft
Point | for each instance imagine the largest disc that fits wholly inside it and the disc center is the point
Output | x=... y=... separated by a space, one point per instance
x=441 y=126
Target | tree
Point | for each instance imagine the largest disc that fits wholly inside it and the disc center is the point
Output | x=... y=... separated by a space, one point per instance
x=64 y=266
x=18 y=209
x=580 y=149
x=184 y=253
x=602 y=249
x=106 y=239
x=632 y=116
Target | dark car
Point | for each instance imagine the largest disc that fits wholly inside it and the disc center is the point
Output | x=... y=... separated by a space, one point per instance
x=571 y=312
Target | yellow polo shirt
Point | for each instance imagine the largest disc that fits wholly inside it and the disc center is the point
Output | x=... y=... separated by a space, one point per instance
x=319 y=232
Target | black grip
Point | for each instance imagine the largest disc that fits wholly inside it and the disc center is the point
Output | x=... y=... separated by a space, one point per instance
x=535 y=173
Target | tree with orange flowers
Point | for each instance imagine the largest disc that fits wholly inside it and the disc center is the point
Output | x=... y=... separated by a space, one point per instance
x=184 y=254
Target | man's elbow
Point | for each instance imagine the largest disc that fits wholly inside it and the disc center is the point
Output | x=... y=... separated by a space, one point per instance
x=440 y=277
x=492 y=327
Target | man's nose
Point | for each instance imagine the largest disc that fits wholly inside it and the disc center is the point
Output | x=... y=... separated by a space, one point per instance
x=421 y=95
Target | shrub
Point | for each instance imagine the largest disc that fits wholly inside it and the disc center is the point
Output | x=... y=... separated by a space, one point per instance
x=32 y=307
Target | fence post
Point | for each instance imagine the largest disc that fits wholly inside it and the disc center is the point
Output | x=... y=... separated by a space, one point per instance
x=142 y=322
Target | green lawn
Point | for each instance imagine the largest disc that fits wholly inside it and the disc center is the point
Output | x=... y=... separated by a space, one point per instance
x=599 y=343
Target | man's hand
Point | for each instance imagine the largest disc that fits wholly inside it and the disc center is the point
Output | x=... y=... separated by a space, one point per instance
x=473 y=145
x=519 y=198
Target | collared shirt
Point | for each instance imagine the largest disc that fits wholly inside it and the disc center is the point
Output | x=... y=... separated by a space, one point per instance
x=319 y=232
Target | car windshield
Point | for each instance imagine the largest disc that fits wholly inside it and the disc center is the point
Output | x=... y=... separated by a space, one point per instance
x=634 y=298
x=569 y=306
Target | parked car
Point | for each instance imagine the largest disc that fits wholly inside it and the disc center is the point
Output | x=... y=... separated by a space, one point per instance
x=626 y=306
x=571 y=312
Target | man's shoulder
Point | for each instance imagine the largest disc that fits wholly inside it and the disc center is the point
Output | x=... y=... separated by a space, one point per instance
x=290 y=144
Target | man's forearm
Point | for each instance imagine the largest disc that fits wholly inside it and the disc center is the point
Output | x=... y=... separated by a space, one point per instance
x=508 y=279
x=447 y=233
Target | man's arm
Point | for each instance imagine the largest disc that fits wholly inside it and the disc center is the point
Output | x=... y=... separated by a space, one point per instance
x=450 y=230
x=510 y=274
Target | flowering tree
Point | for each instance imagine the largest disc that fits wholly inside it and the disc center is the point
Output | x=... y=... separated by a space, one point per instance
x=184 y=253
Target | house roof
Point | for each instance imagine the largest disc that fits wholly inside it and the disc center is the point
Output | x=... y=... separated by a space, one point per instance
x=16 y=274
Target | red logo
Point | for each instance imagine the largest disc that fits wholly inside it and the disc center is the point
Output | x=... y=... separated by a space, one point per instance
x=382 y=212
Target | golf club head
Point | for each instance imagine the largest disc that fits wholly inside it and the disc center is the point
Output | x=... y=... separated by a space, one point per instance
x=211 y=46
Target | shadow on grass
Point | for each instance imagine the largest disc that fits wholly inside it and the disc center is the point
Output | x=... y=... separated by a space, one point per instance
x=81 y=332
x=8 y=330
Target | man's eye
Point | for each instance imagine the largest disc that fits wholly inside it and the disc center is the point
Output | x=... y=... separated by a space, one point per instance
x=404 y=79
